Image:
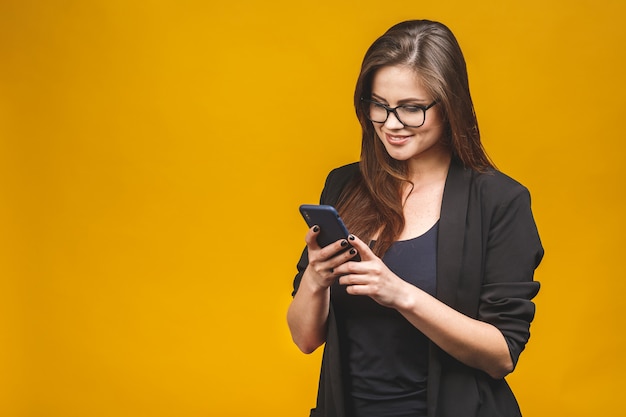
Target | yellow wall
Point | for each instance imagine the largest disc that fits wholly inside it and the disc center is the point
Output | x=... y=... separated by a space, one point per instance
x=153 y=155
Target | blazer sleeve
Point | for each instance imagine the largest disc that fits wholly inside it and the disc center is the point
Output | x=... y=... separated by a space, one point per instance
x=336 y=181
x=513 y=252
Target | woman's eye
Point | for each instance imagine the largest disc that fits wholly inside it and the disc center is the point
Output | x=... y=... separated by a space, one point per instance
x=411 y=109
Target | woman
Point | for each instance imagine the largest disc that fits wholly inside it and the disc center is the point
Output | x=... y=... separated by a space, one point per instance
x=438 y=309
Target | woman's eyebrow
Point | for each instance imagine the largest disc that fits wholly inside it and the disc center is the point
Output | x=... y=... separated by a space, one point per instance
x=403 y=101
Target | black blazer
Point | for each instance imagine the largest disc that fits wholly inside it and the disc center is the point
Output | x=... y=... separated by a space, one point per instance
x=488 y=248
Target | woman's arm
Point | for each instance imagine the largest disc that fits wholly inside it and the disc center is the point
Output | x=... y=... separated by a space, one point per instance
x=475 y=343
x=308 y=312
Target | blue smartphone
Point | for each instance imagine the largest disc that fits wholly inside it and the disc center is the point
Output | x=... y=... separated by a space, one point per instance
x=326 y=217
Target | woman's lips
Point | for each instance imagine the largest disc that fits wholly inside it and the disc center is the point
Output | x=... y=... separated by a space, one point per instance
x=397 y=139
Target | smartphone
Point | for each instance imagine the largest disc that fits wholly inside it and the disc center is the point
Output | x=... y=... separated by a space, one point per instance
x=326 y=217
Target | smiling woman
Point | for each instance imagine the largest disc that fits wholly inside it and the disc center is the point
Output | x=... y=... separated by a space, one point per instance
x=421 y=321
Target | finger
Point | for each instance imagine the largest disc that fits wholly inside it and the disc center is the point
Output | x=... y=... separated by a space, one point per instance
x=311 y=237
x=333 y=252
x=337 y=261
x=362 y=248
x=347 y=280
x=351 y=274
x=337 y=251
x=357 y=289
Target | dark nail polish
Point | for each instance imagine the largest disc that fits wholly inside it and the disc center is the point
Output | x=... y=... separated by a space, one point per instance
x=351 y=237
x=344 y=243
x=352 y=251
x=316 y=229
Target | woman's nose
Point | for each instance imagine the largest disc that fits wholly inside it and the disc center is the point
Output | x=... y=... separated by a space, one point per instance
x=393 y=122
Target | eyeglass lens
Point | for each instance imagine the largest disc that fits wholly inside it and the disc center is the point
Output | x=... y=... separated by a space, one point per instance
x=408 y=115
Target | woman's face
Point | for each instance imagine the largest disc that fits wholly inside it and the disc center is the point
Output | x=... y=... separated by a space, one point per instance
x=400 y=85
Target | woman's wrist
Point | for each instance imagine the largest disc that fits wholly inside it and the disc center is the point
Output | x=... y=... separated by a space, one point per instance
x=312 y=285
x=408 y=298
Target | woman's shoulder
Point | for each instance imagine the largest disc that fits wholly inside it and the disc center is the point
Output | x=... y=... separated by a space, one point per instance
x=345 y=171
x=336 y=181
x=495 y=178
x=497 y=186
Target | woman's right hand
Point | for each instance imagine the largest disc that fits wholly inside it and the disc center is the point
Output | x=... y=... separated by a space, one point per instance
x=323 y=261
x=308 y=311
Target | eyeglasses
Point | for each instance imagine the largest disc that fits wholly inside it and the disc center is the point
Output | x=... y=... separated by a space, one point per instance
x=410 y=115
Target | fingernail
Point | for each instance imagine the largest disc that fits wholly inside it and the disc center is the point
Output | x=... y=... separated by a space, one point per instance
x=352 y=251
x=332 y=270
x=351 y=237
x=316 y=229
x=344 y=243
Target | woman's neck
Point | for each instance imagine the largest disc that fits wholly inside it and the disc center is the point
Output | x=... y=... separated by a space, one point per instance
x=432 y=168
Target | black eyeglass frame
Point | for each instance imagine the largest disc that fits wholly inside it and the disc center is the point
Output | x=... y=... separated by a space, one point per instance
x=395 y=113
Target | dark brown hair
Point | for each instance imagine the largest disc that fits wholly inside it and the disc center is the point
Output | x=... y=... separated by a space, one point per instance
x=372 y=202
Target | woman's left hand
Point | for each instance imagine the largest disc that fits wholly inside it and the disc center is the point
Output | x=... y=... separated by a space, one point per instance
x=371 y=277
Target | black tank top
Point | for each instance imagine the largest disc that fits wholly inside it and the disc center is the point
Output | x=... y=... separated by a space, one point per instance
x=384 y=357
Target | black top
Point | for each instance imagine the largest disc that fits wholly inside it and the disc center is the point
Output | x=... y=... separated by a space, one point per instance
x=385 y=356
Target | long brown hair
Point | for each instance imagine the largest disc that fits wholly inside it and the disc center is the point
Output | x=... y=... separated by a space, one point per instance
x=373 y=202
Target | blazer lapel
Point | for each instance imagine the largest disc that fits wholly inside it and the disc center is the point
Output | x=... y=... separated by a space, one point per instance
x=450 y=243
x=452 y=225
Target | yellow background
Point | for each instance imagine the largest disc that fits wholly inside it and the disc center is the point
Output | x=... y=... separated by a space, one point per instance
x=153 y=155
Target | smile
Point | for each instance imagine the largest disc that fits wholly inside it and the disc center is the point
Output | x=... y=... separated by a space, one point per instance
x=397 y=140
